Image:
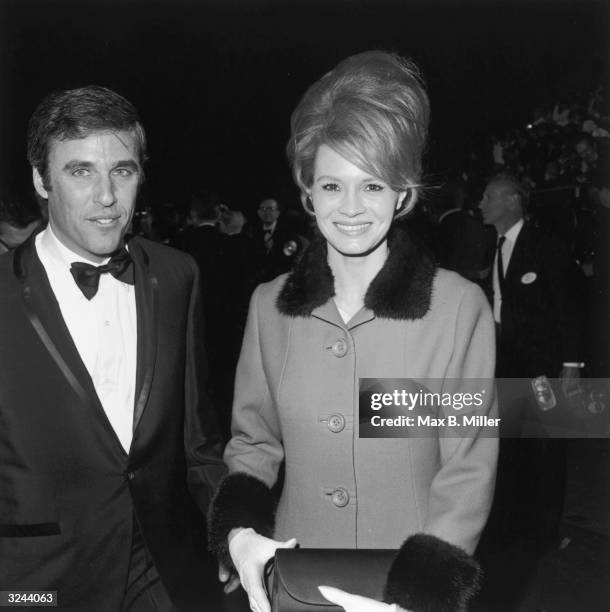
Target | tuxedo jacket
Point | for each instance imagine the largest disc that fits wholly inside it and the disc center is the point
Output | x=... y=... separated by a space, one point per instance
x=542 y=310
x=287 y=245
x=465 y=245
x=68 y=490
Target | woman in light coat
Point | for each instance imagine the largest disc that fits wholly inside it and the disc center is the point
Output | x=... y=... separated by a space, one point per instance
x=364 y=302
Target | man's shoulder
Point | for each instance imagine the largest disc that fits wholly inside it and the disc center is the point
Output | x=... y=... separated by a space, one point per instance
x=157 y=253
x=11 y=286
x=7 y=268
x=167 y=264
x=536 y=234
x=541 y=243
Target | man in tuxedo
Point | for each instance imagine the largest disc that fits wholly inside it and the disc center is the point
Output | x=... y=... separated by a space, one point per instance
x=108 y=450
x=276 y=242
x=537 y=291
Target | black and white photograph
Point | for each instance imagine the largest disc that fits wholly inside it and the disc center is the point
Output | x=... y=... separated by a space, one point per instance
x=305 y=305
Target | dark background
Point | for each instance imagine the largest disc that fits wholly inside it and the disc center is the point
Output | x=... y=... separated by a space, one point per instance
x=215 y=82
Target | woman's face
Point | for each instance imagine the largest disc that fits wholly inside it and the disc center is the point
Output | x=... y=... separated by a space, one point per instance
x=354 y=210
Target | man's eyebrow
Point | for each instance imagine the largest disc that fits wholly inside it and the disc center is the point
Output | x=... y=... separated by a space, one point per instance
x=77 y=163
x=127 y=163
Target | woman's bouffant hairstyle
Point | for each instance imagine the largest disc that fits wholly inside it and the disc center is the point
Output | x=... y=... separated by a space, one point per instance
x=372 y=109
x=76 y=113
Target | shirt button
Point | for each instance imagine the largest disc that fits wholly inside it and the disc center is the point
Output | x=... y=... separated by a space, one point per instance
x=339 y=348
x=336 y=423
x=107 y=323
x=340 y=497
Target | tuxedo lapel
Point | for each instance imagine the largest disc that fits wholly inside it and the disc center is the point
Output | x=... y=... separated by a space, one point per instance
x=518 y=260
x=147 y=303
x=44 y=314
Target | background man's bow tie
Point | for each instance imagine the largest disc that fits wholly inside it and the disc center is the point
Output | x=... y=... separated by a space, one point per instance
x=87 y=277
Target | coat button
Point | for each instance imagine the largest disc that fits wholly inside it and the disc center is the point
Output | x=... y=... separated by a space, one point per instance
x=130 y=475
x=340 y=497
x=336 y=423
x=339 y=348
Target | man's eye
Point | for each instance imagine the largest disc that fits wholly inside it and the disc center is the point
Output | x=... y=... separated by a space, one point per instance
x=80 y=172
x=123 y=172
x=330 y=187
x=374 y=187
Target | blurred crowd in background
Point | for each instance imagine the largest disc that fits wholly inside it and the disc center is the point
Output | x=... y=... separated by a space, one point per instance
x=562 y=155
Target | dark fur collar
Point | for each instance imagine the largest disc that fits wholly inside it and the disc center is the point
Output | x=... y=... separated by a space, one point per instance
x=401 y=290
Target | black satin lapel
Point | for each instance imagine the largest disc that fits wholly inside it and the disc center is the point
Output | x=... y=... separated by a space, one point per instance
x=147 y=302
x=45 y=316
x=51 y=347
x=518 y=259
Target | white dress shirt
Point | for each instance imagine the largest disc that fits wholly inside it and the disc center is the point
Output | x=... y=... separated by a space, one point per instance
x=104 y=330
x=507 y=251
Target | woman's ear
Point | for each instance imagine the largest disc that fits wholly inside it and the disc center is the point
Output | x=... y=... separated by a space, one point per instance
x=307 y=202
x=401 y=200
x=406 y=201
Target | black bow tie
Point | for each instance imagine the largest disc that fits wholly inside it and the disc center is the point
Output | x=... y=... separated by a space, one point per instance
x=87 y=277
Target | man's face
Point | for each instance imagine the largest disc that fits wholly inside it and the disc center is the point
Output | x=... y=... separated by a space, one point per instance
x=496 y=204
x=586 y=152
x=268 y=211
x=93 y=183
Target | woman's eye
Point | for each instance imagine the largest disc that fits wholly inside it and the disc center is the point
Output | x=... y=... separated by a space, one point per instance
x=374 y=187
x=330 y=187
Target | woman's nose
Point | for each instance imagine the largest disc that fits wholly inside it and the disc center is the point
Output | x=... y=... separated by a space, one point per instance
x=352 y=205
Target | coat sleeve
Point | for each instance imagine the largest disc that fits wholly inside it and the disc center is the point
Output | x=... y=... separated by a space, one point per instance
x=434 y=570
x=462 y=490
x=255 y=452
x=202 y=443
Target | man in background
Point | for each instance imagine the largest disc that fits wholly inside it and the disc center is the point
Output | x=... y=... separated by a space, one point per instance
x=276 y=241
x=537 y=307
x=19 y=217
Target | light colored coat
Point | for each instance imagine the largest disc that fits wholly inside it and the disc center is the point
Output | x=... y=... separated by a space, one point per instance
x=296 y=399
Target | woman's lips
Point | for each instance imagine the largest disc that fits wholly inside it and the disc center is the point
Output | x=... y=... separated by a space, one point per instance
x=352 y=229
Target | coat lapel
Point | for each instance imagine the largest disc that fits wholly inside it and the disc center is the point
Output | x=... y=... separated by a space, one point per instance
x=402 y=288
x=147 y=304
x=44 y=314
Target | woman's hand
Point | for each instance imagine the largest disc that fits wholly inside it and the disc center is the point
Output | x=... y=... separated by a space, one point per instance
x=250 y=552
x=355 y=603
x=226 y=576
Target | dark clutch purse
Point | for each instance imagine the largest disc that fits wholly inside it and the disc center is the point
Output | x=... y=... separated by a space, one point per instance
x=292 y=577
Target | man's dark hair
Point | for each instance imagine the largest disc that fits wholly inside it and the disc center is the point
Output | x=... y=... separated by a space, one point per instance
x=19 y=210
x=205 y=205
x=76 y=113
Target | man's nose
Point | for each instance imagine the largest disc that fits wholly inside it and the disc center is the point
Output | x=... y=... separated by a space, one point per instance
x=105 y=191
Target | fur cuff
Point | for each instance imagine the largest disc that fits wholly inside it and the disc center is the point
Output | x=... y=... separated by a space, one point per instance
x=431 y=575
x=241 y=501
